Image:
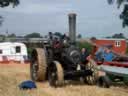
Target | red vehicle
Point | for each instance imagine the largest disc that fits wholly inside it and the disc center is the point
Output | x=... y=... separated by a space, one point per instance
x=115 y=70
x=117 y=46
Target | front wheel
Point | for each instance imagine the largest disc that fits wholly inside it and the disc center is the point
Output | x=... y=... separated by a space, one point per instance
x=55 y=74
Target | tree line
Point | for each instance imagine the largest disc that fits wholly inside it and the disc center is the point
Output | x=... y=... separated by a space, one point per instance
x=38 y=35
x=34 y=35
x=30 y=35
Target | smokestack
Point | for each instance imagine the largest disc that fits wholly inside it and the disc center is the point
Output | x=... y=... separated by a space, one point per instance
x=72 y=27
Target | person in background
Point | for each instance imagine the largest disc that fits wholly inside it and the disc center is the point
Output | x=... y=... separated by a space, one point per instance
x=84 y=56
x=108 y=55
x=56 y=43
x=65 y=39
x=99 y=53
x=50 y=35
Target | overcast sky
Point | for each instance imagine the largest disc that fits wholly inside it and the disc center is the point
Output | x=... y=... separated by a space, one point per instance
x=94 y=17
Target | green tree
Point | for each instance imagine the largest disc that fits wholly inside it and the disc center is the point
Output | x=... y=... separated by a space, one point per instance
x=120 y=35
x=124 y=15
x=86 y=45
x=33 y=35
x=79 y=36
x=12 y=35
x=5 y=3
x=119 y=2
x=58 y=34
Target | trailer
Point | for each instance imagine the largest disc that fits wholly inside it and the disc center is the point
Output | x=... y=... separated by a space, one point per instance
x=13 y=51
x=112 y=72
x=115 y=74
x=116 y=71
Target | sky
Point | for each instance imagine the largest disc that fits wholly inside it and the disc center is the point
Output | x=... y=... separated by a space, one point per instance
x=94 y=17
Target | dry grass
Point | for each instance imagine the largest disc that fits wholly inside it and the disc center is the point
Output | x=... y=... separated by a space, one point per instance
x=12 y=75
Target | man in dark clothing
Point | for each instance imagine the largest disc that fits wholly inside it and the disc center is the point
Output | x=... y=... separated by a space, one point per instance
x=50 y=35
x=56 y=43
x=57 y=48
x=84 y=55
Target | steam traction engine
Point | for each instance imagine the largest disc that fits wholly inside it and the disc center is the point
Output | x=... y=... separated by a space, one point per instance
x=60 y=60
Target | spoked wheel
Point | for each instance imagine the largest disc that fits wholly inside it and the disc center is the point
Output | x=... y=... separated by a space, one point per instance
x=91 y=79
x=56 y=75
x=38 y=65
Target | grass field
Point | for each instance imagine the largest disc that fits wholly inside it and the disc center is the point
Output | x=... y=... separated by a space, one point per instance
x=12 y=75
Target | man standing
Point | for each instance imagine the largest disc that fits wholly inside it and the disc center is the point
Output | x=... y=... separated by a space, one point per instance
x=84 y=56
x=99 y=53
x=108 y=55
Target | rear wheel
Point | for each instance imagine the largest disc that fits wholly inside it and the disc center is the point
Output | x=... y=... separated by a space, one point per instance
x=103 y=81
x=38 y=65
x=55 y=74
x=91 y=79
x=125 y=81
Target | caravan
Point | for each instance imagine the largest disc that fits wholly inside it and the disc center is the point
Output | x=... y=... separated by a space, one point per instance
x=13 y=51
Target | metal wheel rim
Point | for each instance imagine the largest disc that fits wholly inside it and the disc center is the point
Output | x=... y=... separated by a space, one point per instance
x=34 y=67
x=53 y=76
x=35 y=70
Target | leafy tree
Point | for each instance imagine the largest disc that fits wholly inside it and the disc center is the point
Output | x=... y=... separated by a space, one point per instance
x=93 y=38
x=58 y=34
x=120 y=35
x=33 y=35
x=108 y=37
x=1 y=35
x=12 y=35
x=86 y=45
x=124 y=14
x=5 y=3
x=119 y=2
x=79 y=36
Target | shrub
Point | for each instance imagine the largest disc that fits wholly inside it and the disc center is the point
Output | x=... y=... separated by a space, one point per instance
x=86 y=45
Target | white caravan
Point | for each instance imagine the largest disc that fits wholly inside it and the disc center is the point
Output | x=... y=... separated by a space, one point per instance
x=13 y=51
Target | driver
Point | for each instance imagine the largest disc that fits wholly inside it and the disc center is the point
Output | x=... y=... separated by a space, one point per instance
x=56 y=43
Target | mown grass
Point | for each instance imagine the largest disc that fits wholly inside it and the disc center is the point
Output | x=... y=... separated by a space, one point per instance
x=10 y=78
x=12 y=75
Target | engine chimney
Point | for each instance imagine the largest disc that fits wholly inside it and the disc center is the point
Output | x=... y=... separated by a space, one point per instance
x=72 y=27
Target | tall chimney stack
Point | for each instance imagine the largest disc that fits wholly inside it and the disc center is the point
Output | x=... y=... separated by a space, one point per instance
x=72 y=27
